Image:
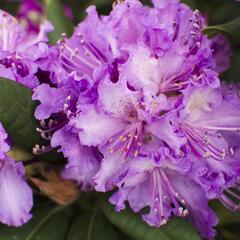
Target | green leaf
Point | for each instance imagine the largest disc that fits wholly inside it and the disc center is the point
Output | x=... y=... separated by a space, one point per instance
x=232 y=29
x=122 y=236
x=16 y=114
x=226 y=217
x=132 y=225
x=48 y=223
x=228 y=227
x=234 y=230
x=92 y=227
x=56 y=15
x=190 y=3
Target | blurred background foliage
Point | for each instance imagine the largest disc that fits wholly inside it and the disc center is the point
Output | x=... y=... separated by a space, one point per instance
x=94 y=220
x=217 y=11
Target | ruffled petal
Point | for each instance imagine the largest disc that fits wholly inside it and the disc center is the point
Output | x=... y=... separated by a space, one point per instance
x=88 y=48
x=164 y=129
x=16 y=198
x=207 y=109
x=128 y=16
x=226 y=117
x=165 y=192
x=31 y=81
x=52 y=100
x=163 y=3
x=113 y=168
x=83 y=162
x=95 y=128
x=10 y=32
x=123 y=101
x=200 y=100
x=6 y=73
x=142 y=76
x=36 y=39
x=4 y=146
x=201 y=215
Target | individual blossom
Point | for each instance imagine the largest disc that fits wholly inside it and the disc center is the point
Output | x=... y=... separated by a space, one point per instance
x=166 y=189
x=20 y=50
x=58 y=104
x=68 y=12
x=230 y=197
x=15 y=195
x=31 y=15
x=211 y=125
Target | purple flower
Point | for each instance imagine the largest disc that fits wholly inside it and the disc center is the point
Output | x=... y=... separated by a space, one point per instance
x=68 y=12
x=15 y=195
x=166 y=191
x=211 y=125
x=31 y=15
x=20 y=50
x=83 y=161
x=59 y=104
x=135 y=103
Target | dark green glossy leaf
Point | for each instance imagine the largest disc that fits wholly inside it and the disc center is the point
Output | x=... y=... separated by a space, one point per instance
x=48 y=223
x=234 y=229
x=132 y=225
x=217 y=11
x=16 y=114
x=191 y=3
x=225 y=216
x=92 y=227
x=122 y=236
x=56 y=15
x=232 y=29
x=229 y=222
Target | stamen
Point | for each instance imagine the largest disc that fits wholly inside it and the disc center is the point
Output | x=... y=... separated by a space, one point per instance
x=83 y=59
x=172 y=198
x=126 y=141
x=37 y=150
x=231 y=151
x=202 y=145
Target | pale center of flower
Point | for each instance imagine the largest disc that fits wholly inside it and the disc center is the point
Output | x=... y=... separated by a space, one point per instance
x=200 y=101
x=144 y=67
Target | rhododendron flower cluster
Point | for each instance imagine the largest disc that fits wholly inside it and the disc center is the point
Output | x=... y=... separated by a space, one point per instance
x=134 y=102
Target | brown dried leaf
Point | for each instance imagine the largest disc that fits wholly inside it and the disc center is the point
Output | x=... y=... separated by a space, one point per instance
x=62 y=191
